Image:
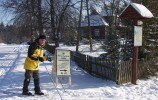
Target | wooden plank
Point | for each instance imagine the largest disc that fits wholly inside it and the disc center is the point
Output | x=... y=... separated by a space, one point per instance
x=124 y=74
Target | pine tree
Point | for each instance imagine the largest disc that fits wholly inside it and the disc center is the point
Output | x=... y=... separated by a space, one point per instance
x=115 y=49
x=150 y=30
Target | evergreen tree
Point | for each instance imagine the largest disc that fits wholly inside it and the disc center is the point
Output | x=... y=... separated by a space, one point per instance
x=113 y=43
x=150 y=30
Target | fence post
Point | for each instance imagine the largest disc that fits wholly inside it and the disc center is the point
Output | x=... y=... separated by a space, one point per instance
x=117 y=67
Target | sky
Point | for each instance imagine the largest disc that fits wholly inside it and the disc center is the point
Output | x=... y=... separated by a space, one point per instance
x=5 y=17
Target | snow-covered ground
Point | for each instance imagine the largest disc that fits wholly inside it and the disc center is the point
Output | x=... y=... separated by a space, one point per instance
x=84 y=86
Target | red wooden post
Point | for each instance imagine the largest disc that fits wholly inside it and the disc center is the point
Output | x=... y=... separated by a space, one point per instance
x=135 y=60
x=134 y=65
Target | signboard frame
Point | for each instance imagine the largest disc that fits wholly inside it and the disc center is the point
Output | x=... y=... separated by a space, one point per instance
x=63 y=64
x=138 y=35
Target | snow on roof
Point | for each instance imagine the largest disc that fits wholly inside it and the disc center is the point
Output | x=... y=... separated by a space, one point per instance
x=95 y=20
x=143 y=11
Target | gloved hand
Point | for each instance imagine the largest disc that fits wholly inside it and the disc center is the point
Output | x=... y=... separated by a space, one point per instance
x=49 y=59
x=40 y=59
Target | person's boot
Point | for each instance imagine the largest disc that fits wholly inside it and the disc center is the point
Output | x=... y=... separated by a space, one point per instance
x=37 y=87
x=25 y=87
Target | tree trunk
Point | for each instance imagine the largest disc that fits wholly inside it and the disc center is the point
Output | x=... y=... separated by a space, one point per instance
x=57 y=29
x=32 y=20
x=79 y=27
x=39 y=17
x=89 y=29
x=53 y=25
x=52 y=13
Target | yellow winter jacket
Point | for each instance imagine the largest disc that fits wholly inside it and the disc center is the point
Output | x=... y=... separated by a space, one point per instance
x=34 y=51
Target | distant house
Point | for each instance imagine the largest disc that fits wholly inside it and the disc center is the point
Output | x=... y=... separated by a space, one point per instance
x=98 y=26
x=99 y=23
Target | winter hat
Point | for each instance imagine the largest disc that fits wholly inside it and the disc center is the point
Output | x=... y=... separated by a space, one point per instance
x=42 y=37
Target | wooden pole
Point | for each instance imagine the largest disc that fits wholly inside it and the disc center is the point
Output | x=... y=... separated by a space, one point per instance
x=135 y=59
x=134 y=65
x=54 y=68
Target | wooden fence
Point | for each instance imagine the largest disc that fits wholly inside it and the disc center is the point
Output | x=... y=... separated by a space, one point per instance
x=124 y=72
x=97 y=66
x=117 y=71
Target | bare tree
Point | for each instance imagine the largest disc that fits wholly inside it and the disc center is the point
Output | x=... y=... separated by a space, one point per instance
x=39 y=16
x=32 y=20
x=89 y=30
x=79 y=25
x=52 y=13
x=59 y=9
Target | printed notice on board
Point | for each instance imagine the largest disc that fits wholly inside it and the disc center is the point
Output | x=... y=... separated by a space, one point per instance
x=63 y=62
x=137 y=36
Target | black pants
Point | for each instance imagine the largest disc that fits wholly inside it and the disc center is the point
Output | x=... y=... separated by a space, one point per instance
x=31 y=73
x=28 y=75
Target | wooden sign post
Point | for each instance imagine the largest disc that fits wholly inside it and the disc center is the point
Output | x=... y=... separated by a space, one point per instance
x=62 y=64
x=136 y=12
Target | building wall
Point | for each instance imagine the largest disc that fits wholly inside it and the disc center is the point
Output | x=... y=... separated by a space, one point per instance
x=98 y=32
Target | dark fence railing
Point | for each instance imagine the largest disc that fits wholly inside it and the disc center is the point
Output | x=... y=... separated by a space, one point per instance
x=99 y=67
x=108 y=69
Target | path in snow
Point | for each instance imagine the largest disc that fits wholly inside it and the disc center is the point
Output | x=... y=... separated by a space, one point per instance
x=84 y=86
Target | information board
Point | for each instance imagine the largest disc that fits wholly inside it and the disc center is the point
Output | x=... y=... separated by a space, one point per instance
x=63 y=62
x=137 y=36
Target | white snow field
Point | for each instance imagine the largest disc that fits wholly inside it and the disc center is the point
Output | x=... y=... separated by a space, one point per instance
x=84 y=86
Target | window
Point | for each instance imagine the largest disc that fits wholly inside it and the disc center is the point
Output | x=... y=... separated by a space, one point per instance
x=97 y=32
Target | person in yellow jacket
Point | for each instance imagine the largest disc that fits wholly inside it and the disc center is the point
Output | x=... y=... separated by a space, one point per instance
x=31 y=65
